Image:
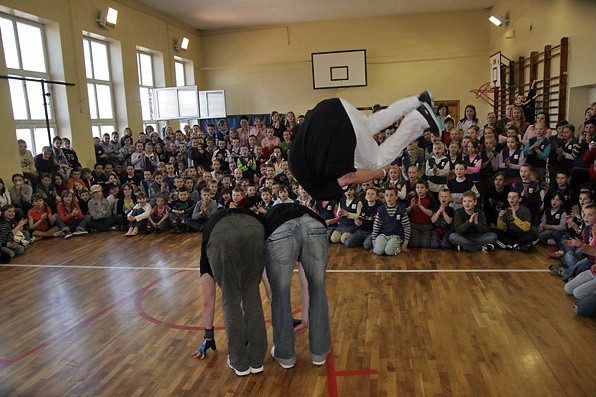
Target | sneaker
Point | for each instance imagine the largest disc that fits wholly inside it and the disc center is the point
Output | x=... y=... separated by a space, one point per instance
x=320 y=360
x=67 y=236
x=501 y=244
x=285 y=366
x=488 y=248
x=427 y=112
x=58 y=234
x=256 y=370
x=459 y=248
x=557 y=269
x=34 y=239
x=239 y=373
x=426 y=97
x=79 y=232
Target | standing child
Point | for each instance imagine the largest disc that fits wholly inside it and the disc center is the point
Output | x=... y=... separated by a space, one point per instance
x=391 y=229
x=420 y=211
x=364 y=222
x=442 y=220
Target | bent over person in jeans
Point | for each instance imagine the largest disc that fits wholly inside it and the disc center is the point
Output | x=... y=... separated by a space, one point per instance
x=293 y=232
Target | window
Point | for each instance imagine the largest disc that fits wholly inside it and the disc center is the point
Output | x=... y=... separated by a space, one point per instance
x=146 y=85
x=25 y=54
x=99 y=86
x=180 y=75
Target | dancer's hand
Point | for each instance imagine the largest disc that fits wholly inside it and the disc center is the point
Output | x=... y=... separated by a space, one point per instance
x=201 y=352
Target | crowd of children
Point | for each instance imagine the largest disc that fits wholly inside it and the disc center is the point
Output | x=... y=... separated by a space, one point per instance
x=509 y=184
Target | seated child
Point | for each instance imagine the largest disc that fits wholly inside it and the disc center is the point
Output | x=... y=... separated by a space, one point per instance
x=327 y=210
x=495 y=199
x=42 y=222
x=530 y=192
x=459 y=185
x=391 y=229
x=347 y=211
x=71 y=215
x=514 y=225
x=471 y=227
x=553 y=224
x=511 y=159
x=203 y=210
x=138 y=216
x=159 y=215
x=237 y=198
x=437 y=168
x=283 y=195
x=442 y=220
x=364 y=223
x=420 y=210
x=266 y=202
x=180 y=210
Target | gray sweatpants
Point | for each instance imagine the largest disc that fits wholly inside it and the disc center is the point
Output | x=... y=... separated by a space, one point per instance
x=235 y=250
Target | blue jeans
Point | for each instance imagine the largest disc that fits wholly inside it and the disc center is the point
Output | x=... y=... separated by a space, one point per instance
x=360 y=238
x=303 y=239
x=434 y=240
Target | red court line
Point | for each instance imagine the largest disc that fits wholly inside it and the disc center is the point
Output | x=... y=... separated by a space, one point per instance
x=141 y=311
x=331 y=374
x=5 y=363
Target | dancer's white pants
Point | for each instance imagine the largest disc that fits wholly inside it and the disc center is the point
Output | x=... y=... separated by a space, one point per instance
x=370 y=155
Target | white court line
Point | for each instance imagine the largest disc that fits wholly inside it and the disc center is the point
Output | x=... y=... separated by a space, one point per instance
x=195 y=269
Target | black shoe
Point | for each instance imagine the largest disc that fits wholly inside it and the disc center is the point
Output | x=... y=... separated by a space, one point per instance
x=523 y=248
x=488 y=248
x=501 y=244
x=426 y=97
x=427 y=112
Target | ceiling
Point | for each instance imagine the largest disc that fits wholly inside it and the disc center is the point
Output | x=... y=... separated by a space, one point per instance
x=230 y=14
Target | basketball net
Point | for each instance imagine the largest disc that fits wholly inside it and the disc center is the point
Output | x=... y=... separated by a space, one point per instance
x=483 y=91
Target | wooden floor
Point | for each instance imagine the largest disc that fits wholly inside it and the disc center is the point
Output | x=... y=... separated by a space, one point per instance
x=104 y=315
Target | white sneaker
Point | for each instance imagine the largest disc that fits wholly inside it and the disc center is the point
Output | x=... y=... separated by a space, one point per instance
x=257 y=370
x=78 y=232
x=239 y=373
x=67 y=236
x=58 y=234
x=285 y=366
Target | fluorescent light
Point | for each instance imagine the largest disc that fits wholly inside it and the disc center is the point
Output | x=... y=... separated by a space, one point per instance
x=181 y=44
x=112 y=16
x=108 y=17
x=498 y=20
x=184 y=43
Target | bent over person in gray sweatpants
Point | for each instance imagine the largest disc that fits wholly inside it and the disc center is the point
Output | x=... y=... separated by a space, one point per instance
x=234 y=249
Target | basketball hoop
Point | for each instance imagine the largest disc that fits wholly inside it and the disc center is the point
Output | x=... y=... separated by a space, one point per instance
x=483 y=91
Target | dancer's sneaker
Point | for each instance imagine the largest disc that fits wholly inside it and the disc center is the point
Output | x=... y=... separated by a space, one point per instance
x=426 y=97
x=427 y=112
